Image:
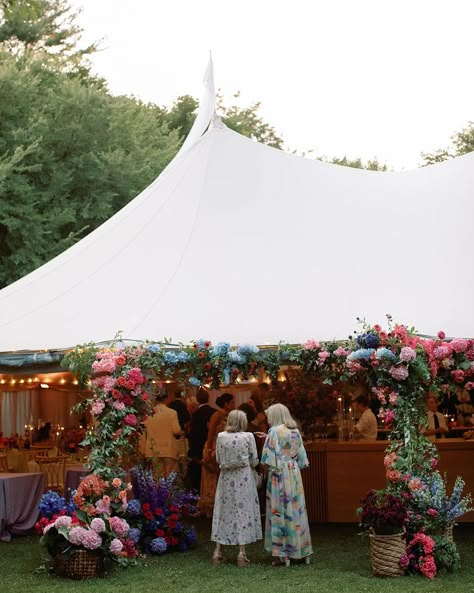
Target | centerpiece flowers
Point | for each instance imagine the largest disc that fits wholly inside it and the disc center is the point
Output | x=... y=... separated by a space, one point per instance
x=80 y=537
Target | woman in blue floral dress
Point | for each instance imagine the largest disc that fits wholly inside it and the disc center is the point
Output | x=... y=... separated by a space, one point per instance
x=287 y=534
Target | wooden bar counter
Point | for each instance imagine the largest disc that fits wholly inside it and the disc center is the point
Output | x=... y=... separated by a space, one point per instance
x=341 y=473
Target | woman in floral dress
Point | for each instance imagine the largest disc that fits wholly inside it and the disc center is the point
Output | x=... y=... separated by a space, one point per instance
x=287 y=534
x=236 y=518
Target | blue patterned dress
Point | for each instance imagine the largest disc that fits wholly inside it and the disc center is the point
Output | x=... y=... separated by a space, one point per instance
x=286 y=524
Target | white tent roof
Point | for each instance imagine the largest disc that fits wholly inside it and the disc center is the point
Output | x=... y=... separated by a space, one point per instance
x=240 y=242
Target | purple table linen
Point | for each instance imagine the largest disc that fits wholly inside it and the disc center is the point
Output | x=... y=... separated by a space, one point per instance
x=20 y=495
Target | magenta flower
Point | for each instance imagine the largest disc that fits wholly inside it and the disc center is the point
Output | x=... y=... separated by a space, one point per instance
x=407 y=354
x=399 y=373
x=130 y=419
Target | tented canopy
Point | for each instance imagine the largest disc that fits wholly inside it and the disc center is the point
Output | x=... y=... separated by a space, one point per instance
x=240 y=242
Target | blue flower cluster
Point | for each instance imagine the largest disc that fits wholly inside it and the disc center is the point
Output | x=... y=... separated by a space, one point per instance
x=194 y=381
x=154 y=348
x=248 y=349
x=200 y=344
x=134 y=534
x=134 y=507
x=52 y=503
x=191 y=536
x=170 y=358
x=158 y=545
x=235 y=357
x=220 y=349
x=368 y=340
x=361 y=354
x=183 y=356
x=385 y=353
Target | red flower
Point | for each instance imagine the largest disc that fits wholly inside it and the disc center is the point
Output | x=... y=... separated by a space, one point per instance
x=174 y=508
x=377 y=328
x=120 y=360
x=167 y=539
x=207 y=366
x=158 y=512
x=441 y=335
x=145 y=397
x=116 y=394
x=121 y=381
x=201 y=354
x=130 y=385
x=171 y=524
x=146 y=506
x=174 y=517
x=174 y=541
x=130 y=419
x=148 y=515
x=160 y=533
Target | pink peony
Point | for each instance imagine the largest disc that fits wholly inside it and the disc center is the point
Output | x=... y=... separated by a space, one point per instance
x=311 y=345
x=441 y=335
x=130 y=419
x=323 y=356
x=393 y=398
x=91 y=540
x=120 y=406
x=407 y=354
x=104 y=366
x=97 y=407
x=136 y=376
x=341 y=351
x=98 y=525
x=399 y=373
x=116 y=546
x=109 y=384
x=119 y=526
x=459 y=345
x=415 y=484
x=99 y=382
x=393 y=475
x=63 y=521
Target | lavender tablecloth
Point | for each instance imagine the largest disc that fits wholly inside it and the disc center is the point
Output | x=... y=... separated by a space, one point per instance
x=74 y=475
x=20 y=495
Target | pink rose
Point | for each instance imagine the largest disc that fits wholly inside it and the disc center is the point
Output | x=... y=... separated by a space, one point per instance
x=130 y=419
x=109 y=384
x=116 y=482
x=441 y=335
x=415 y=484
x=393 y=475
x=432 y=512
x=311 y=345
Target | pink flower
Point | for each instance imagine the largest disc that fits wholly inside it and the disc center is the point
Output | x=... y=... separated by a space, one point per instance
x=415 y=484
x=393 y=475
x=75 y=536
x=381 y=413
x=120 y=406
x=130 y=419
x=389 y=416
x=407 y=354
x=119 y=526
x=104 y=366
x=324 y=355
x=136 y=376
x=116 y=546
x=91 y=540
x=99 y=382
x=377 y=328
x=109 y=384
x=434 y=462
x=311 y=345
x=341 y=351
x=97 y=407
x=390 y=459
x=458 y=375
x=459 y=345
x=63 y=521
x=98 y=525
x=404 y=561
x=393 y=398
x=102 y=507
x=116 y=482
x=432 y=512
x=469 y=385
x=428 y=567
x=441 y=335
x=441 y=352
x=399 y=373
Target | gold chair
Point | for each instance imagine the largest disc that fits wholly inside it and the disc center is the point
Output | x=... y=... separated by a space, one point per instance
x=4 y=463
x=54 y=471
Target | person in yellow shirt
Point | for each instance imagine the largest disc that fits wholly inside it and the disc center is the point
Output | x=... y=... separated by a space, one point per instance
x=159 y=442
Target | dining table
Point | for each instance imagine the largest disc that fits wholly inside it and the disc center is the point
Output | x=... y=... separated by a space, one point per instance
x=20 y=495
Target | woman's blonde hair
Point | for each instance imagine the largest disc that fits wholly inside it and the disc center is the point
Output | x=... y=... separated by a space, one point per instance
x=280 y=414
x=236 y=421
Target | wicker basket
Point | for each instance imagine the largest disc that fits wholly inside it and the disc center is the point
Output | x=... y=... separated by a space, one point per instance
x=385 y=554
x=81 y=564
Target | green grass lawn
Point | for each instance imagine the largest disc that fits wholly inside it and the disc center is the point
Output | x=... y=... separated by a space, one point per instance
x=340 y=565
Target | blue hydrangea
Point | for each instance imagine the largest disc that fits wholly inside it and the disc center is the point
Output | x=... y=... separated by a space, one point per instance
x=134 y=507
x=220 y=349
x=236 y=357
x=200 y=344
x=191 y=536
x=158 y=545
x=368 y=340
x=183 y=356
x=194 y=381
x=385 y=353
x=134 y=534
x=154 y=348
x=248 y=349
x=226 y=376
x=361 y=354
x=170 y=358
x=52 y=503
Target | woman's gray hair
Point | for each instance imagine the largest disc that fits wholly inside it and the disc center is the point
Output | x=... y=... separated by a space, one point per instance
x=280 y=414
x=236 y=421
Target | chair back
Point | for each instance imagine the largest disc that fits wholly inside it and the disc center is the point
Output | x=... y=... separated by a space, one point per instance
x=3 y=463
x=54 y=470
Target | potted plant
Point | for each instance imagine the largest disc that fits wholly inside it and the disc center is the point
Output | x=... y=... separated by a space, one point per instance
x=383 y=516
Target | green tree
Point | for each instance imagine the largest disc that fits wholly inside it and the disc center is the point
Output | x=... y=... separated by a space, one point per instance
x=71 y=156
x=462 y=143
x=371 y=165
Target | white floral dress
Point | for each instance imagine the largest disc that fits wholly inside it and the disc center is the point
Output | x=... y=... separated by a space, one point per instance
x=236 y=518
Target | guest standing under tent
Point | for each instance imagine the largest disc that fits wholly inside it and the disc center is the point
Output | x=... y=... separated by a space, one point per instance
x=236 y=517
x=287 y=534
x=210 y=468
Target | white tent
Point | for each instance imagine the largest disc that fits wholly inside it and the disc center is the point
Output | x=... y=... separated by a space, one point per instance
x=237 y=241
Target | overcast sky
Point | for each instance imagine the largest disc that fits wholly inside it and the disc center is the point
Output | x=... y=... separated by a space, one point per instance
x=369 y=78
